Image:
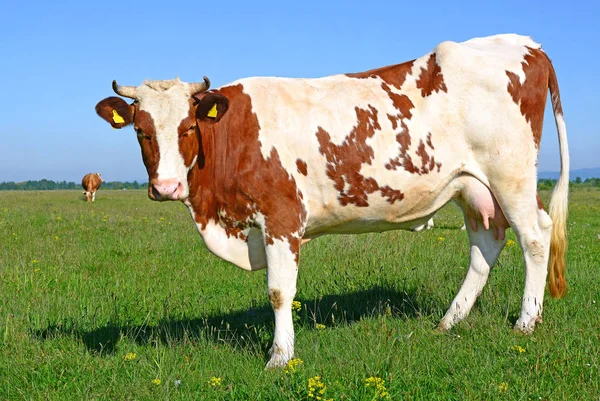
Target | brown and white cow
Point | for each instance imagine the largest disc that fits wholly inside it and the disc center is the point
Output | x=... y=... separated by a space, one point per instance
x=90 y=183
x=264 y=164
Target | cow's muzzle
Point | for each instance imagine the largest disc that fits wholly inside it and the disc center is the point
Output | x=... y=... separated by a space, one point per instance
x=162 y=190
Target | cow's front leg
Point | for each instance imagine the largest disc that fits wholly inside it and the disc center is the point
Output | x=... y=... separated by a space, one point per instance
x=282 y=271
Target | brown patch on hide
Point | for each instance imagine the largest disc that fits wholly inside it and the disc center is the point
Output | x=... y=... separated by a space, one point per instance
x=302 y=167
x=344 y=161
x=431 y=79
x=429 y=143
x=531 y=94
x=403 y=159
x=276 y=299
x=393 y=75
x=393 y=120
x=402 y=103
x=391 y=194
x=428 y=163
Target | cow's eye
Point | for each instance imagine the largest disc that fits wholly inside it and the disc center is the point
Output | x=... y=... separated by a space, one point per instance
x=140 y=133
x=190 y=130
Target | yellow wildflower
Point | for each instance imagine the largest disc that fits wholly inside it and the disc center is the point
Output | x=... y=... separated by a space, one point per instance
x=58 y=218
x=441 y=239
x=379 y=385
x=296 y=306
x=56 y=237
x=319 y=326
x=130 y=356
x=519 y=349
x=34 y=261
x=510 y=243
x=316 y=388
x=215 y=381
x=503 y=387
x=37 y=269
x=156 y=381
x=292 y=365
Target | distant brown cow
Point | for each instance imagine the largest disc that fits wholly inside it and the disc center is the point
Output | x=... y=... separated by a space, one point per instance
x=90 y=183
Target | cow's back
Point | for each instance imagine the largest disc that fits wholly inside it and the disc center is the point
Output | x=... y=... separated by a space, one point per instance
x=91 y=182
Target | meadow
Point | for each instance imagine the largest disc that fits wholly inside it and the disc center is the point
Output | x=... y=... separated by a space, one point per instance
x=120 y=300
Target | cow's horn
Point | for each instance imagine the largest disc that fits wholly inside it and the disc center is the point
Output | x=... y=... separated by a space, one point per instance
x=198 y=87
x=125 y=91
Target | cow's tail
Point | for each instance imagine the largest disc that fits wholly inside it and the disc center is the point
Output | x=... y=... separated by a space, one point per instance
x=560 y=197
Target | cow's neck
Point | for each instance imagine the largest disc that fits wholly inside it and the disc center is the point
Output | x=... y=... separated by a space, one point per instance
x=211 y=197
x=201 y=181
x=213 y=181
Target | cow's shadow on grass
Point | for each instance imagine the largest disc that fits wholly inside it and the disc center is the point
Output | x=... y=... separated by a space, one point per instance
x=252 y=328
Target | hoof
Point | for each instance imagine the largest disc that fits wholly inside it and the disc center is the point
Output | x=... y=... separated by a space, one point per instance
x=523 y=327
x=277 y=361
x=443 y=327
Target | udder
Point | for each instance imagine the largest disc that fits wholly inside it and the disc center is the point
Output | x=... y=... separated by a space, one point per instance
x=479 y=205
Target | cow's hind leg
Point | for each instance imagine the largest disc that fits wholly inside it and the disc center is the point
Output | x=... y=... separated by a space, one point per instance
x=535 y=243
x=484 y=253
x=532 y=227
x=282 y=272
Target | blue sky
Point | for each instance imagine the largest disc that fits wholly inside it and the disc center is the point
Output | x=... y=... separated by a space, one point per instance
x=59 y=59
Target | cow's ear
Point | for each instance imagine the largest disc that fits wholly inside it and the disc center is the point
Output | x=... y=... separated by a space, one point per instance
x=115 y=111
x=211 y=107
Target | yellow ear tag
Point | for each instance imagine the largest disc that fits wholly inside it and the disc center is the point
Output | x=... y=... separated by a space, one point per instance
x=213 y=112
x=117 y=118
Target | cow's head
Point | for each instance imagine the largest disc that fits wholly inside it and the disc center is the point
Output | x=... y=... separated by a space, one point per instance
x=165 y=117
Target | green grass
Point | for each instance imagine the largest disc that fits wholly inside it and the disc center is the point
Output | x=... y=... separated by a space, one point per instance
x=82 y=285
